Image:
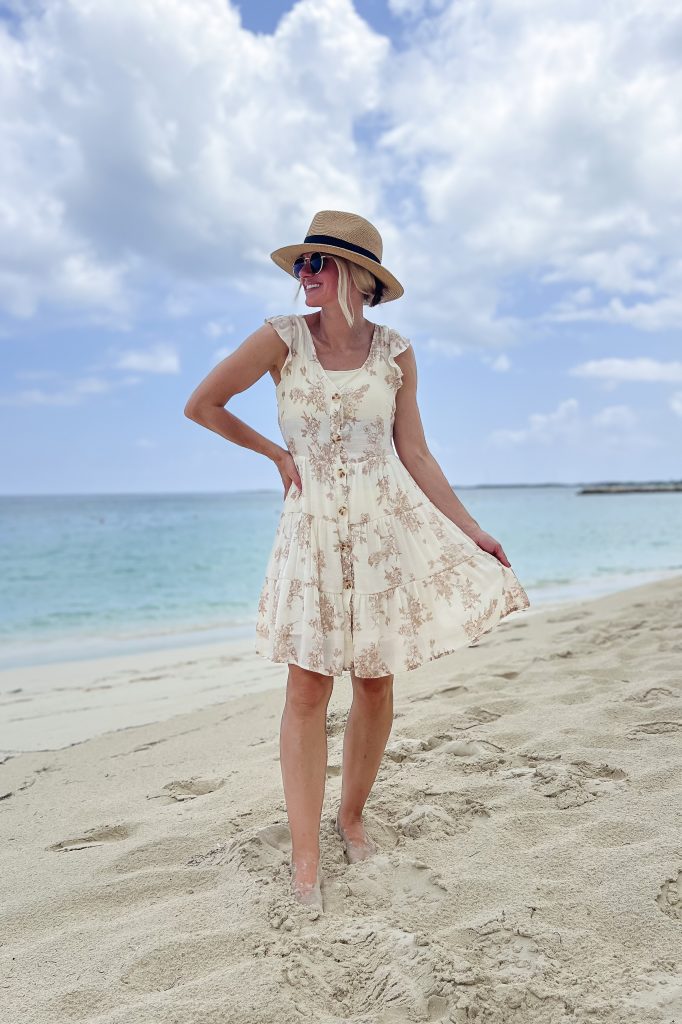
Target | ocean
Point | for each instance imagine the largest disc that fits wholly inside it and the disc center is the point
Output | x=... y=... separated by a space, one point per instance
x=90 y=575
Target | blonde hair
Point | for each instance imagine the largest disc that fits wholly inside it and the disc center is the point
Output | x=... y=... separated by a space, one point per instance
x=363 y=279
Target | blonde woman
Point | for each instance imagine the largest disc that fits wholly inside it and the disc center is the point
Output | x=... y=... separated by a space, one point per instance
x=376 y=566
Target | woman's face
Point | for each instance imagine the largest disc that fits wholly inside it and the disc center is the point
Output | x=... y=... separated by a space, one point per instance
x=320 y=288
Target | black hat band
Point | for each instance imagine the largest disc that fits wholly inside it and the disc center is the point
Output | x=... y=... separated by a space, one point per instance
x=342 y=244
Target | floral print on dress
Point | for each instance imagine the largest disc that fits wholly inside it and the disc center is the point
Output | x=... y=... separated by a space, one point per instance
x=365 y=572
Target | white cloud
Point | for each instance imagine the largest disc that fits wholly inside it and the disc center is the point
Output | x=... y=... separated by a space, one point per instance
x=544 y=427
x=676 y=403
x=615 y=416
x=143 y=137
x=443 y=346
x=615 y=370
x=610 y=427
x=72 y=394
x=532 y=147
x=656 y=315
x=159 y=359
x=545 y=141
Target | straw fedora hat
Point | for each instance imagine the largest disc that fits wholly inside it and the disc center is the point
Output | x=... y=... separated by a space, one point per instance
x=343 y=234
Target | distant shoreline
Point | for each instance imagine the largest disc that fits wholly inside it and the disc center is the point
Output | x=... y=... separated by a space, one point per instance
x=625 y=488
x=607 y=486
x=610 y=487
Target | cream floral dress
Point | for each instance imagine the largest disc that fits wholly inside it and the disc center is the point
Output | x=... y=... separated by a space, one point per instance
x=365 y=572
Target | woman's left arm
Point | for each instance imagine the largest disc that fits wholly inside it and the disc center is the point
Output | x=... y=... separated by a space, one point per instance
x=413 y=452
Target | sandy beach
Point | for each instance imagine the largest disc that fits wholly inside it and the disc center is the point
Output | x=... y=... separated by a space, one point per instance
x=527 y=809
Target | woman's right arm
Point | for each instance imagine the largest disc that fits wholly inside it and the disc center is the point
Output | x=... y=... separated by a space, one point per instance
x=258 y=353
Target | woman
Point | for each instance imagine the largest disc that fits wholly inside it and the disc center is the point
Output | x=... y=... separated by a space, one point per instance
x=376 y=565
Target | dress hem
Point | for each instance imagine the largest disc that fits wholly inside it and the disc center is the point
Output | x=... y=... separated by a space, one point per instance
x=405 y=668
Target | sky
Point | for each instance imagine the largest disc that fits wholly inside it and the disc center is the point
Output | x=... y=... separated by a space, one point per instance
x=520 y=158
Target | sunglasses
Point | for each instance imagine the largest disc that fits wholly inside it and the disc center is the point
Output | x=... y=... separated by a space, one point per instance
x=315 y=260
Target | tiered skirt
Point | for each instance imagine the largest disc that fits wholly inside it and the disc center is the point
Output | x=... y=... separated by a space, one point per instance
x=409 y=585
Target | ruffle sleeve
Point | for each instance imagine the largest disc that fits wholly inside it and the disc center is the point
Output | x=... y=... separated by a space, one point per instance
x=396 y=344
x=284 y=325
x=286 y=328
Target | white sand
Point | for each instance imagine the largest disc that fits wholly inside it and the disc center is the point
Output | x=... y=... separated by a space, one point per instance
x=527 y=809
x=52 y=706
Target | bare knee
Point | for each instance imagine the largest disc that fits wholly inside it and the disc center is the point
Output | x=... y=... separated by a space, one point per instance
x=307 y=691
x=372 y=691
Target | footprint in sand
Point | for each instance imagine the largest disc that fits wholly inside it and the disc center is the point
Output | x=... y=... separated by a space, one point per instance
x=441 y=813
x=187 y=789
x=571 y=785
x=669 y=897
x=653 y=695
x=447 y=691
x=481 y=715
x=414 y=880
x=93 y=837
x=384 y=881
x=501 y=950
x=578 y=782
x=381 y=972
x=645 y=729
x=408 y=749
x=258 y=850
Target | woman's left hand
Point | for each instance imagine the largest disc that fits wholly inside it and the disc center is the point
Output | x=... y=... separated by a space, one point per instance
x=492 y=546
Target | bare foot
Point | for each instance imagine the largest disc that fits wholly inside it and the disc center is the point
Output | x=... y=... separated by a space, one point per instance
x=306 y=881
x=357 y=844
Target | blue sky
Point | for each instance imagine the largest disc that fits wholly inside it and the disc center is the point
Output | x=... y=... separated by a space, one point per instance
x=521 y=161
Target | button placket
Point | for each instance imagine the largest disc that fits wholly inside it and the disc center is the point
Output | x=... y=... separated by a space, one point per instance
x=347 y=565
x=342 y=492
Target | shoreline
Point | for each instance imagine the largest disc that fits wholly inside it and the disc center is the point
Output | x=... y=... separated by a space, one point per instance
x=56 y=705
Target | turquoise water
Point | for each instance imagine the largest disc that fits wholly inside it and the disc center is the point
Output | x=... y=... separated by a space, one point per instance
x=106 y=574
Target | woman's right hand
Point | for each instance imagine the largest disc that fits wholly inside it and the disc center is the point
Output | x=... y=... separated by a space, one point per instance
x=288 y=472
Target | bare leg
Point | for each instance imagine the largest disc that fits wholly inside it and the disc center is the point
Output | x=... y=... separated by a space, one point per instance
x=367 y=730
x=303 y=759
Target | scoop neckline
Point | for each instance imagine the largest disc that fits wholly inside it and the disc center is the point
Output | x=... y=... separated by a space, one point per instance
x=354 y=369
